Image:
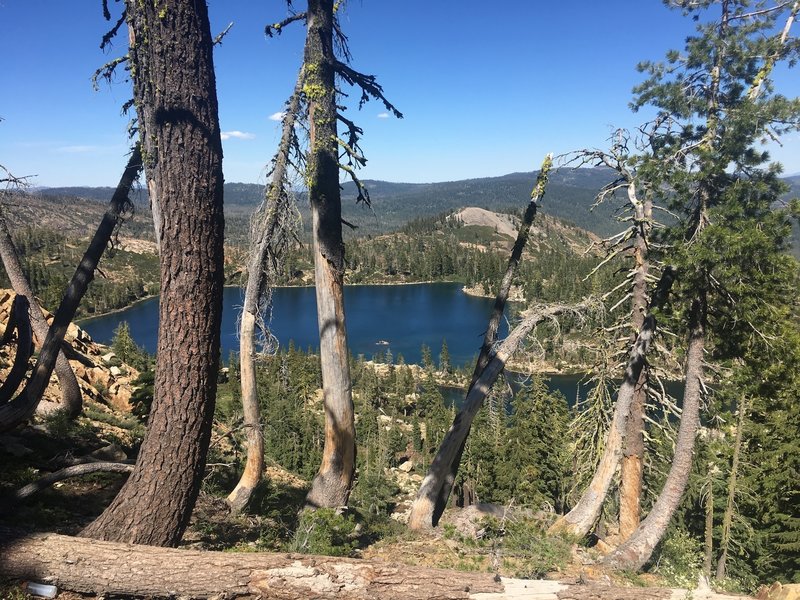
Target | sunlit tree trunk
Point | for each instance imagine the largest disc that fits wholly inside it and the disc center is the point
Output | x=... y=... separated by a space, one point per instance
x=332 y=483
x=276 y=204
x=638 y=548
x=631 y=470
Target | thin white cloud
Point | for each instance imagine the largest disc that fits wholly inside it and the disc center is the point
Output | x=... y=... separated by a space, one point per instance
x=276 y=116
x=77 y=149
x=239 y=135
x=383 y=115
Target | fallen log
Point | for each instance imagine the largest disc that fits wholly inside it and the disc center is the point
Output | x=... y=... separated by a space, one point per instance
x=67 y=473
x=99 y=567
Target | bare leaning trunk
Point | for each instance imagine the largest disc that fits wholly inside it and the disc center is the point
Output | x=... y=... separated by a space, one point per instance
x=331 y=485
x=638 y=548
x=432 y=497
x=275 y=203
x=24 y=405
x=171 y=53
x=423 y=508
x=583 y=515
x=71 y=399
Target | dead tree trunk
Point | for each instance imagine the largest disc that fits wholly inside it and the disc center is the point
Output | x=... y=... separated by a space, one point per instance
x=583 y=515
x=17 y=321
x=432 y=498
x=99 y=567
x=730 y=507
x=67 y=473
x=422 y=511
x=632 y=467
x=24 y=405
x=638 y=548
x=71 y=398
x=171 y=53
x=267 y=246
x=332 y=483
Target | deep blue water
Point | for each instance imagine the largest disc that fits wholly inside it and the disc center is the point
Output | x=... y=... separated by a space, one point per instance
x=406 y=316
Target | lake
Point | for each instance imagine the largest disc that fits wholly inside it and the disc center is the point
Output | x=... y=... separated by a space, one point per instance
x=405 y=316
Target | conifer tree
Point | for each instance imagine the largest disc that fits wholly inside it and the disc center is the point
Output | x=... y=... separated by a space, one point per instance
x=713 y=175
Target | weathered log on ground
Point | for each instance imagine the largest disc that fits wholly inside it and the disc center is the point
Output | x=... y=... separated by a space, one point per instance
x=111 y=568
x=94 y=566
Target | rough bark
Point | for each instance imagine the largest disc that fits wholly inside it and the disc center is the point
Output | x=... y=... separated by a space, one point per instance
x=442 y=473
x=171 y=58
x=71 y=398
x=332 y=483
x=100 y=567
x=638 y=548
x=276 y=203
x=423 y=514
x=17 y=321
x=24 y=405
x=727 y=518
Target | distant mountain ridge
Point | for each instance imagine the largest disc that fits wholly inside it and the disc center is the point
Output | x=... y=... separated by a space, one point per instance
x=570 y=193
x=569 y=196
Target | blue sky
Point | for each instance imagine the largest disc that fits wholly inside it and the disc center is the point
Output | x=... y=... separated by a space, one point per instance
x=486 y=88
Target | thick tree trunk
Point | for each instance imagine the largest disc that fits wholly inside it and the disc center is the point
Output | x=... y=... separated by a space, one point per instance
x=730 y=507
x=638 y=548
x=631 y=468
x=442 y=473
x=276 y=204
x=331 y=485
x=24 y=405
x=100 y=567
x=171 y=55
x=71 y=398
x=423 y=513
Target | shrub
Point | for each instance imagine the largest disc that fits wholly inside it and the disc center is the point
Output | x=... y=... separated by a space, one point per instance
x=324 y=531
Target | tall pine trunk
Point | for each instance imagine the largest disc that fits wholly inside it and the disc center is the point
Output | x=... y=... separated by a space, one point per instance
x=174 y=84
x=332 y=483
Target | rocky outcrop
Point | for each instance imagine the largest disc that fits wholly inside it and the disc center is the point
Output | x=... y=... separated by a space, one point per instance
x=101 y=375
